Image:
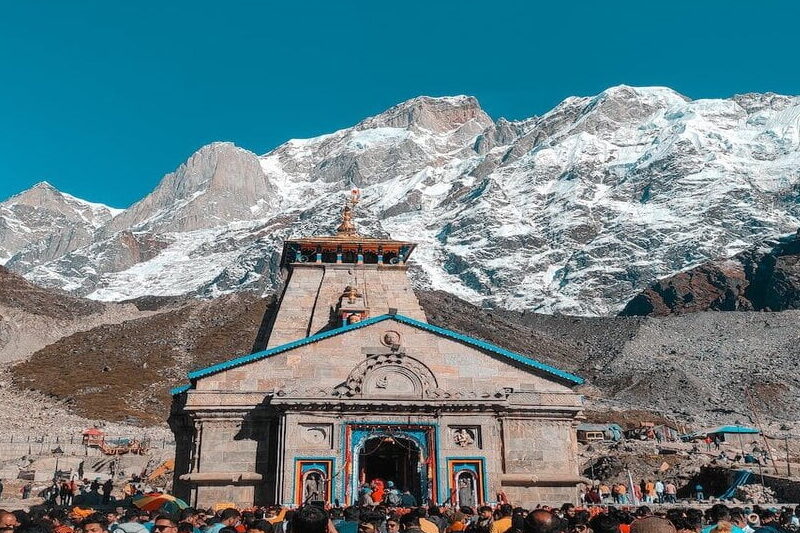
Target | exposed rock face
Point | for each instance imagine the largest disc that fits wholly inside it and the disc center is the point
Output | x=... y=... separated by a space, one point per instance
x=32 y=317
x=766 y=278
x=575 y=211
x=217 y=185
x=42 y=223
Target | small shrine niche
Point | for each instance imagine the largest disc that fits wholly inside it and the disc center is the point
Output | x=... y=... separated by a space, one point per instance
x=352 y=306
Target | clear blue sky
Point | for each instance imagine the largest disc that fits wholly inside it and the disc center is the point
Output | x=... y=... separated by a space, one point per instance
x=103 y=98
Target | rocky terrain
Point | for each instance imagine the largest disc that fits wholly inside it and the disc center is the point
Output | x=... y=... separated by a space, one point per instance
x=764 y=278
x=575 y=211
x=32 y=317
x=699 y=369
x=123 y=372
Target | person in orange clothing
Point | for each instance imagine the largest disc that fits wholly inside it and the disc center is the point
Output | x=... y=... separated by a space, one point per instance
x=649 y=491
x=457 y=523
x=378 y=489
x=60 y=521
x=502 y=524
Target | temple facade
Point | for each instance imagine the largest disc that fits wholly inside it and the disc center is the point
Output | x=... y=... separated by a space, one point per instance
x=356 y=387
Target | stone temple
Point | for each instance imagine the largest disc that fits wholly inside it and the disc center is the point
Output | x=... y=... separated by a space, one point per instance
x=355 y=385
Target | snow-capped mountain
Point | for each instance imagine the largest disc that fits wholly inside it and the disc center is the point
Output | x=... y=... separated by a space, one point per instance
x=43 y=223
x=574 y=211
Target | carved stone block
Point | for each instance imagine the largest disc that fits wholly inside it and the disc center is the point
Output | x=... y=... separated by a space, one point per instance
x=315 y=435
x=466 y=436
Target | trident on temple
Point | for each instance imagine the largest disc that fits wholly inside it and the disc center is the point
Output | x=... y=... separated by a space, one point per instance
x=348 y=227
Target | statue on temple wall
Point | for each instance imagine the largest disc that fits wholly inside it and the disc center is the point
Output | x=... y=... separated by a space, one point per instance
x=466 y=491
x=463 y=437
x=314 y=488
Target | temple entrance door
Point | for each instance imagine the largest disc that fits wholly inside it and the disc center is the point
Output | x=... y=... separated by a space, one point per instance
x=393 y=459
x=467 y=490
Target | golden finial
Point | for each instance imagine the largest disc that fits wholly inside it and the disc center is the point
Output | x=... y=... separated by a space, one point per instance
x=348 y=227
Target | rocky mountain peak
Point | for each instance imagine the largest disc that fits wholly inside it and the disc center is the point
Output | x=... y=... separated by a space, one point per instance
x=43 y=222
x=219 y=183
x=435 y=114
x=575 y=211
x=624 y=105
x=37 y=195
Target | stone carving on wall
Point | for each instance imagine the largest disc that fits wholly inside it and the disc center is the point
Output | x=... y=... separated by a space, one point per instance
x=390 y=338
x=317 y=435
x=466 y=436
x=389 y=375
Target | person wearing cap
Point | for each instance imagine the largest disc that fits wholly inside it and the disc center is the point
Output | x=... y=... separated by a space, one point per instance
x=392 y=495
x=365 y=497
x=652 y=524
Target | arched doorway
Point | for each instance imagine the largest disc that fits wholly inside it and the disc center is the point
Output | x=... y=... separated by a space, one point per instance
x=389 y=458
x=315 y=486
x=466 y=489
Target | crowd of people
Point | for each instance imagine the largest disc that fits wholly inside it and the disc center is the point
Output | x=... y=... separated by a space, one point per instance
x=502 y=518
x=646 y=491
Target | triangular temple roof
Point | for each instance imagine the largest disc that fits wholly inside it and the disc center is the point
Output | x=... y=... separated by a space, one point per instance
x=471 y=341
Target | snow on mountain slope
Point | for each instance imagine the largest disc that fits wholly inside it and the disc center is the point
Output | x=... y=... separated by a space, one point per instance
x=574 y=211
x=43 y=223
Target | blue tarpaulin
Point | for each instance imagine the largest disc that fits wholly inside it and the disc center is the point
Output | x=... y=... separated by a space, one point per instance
x=733 y=429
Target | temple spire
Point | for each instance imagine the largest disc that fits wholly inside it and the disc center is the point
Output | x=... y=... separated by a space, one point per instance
x=348 y=227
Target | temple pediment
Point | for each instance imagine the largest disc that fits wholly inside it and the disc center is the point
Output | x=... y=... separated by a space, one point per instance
x=421 y=361
x=389 y=375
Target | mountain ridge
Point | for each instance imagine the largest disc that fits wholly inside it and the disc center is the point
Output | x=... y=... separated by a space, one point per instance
x=574 y=211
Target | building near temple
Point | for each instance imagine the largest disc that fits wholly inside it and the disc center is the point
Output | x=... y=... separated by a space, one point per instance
x=355 y=386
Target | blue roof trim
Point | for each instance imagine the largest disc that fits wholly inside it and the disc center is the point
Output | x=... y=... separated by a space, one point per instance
x=489 y=347
x=180 y=390
x=226 y=365
x=233 y=363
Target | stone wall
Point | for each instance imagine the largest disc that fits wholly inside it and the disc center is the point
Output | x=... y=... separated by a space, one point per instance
x=457 y=366
x=313 y=291
x=16 y=445
x=233 y=461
